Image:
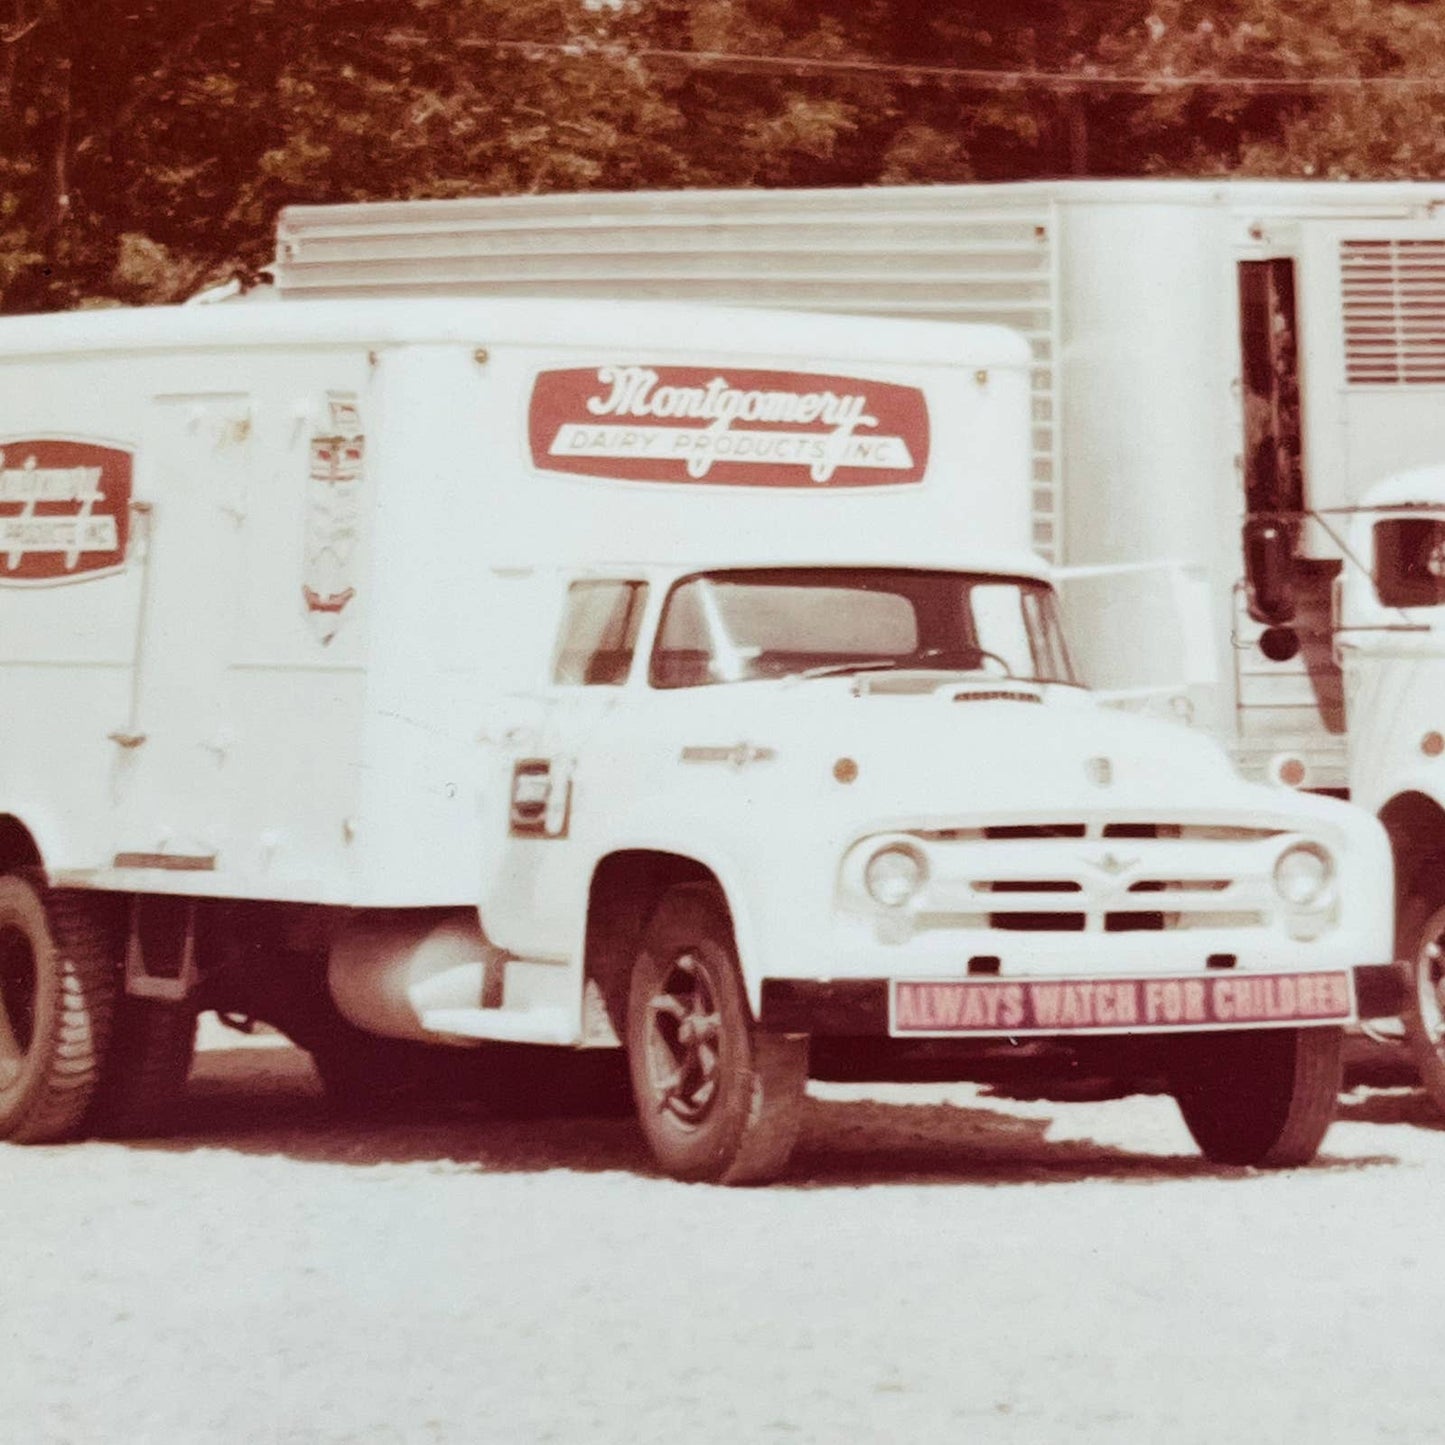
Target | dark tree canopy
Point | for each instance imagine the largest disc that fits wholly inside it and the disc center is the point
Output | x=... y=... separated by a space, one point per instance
x=146 y=145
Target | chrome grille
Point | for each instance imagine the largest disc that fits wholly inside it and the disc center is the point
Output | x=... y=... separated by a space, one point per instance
x=1074 y=877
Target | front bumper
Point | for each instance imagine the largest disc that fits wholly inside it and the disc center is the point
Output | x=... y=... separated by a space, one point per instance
x=859 y=1007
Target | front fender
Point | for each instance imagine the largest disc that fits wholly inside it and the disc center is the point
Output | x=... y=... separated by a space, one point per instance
x=749 y=878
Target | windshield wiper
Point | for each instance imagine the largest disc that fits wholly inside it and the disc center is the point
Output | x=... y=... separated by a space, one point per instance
x=841 y=669
x=919 y=664
x=885 y=664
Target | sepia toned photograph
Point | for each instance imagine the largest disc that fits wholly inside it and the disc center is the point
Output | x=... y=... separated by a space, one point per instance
x=716 y=721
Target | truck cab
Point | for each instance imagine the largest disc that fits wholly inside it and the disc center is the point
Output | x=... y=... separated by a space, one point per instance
x=862 y=820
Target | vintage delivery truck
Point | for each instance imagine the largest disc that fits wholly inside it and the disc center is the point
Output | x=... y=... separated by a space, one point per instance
x=443 y=673
x=1246 y=375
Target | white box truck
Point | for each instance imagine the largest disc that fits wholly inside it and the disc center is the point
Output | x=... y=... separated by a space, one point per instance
x=1244 y=375
x=410 y=673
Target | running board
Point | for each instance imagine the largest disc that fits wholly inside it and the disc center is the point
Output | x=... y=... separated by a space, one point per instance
x=519 y=1026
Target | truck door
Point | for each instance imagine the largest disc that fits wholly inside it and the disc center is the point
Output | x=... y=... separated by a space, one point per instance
x=537 y=741
x=171 y=751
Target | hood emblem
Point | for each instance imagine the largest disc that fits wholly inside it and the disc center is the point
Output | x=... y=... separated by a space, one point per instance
x=1099 y=771
x=738 y=756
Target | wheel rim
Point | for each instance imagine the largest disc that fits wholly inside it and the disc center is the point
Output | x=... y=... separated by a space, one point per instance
x=19 y=981
x=682 y=1047
x=1430 y=982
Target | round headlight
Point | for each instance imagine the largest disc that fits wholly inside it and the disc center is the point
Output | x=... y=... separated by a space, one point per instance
x=893 y=875
x=1303 y=874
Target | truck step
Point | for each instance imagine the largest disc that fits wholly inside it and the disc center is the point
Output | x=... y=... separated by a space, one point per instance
x=522 y=1026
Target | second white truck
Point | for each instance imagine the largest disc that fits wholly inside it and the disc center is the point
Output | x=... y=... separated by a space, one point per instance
x=430 y=675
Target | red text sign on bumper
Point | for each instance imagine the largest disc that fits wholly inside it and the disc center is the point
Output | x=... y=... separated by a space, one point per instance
x=1062 y=1006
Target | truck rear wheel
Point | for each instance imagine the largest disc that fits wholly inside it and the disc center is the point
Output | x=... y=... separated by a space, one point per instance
x=718 y=1100
x=1264 y=1097
x=58 y=985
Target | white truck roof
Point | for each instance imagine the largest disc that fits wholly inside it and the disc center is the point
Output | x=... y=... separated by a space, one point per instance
x=655 y=326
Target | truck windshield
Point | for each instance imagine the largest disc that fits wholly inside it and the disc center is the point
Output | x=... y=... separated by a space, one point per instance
x=735 y=626
x=1410 y=561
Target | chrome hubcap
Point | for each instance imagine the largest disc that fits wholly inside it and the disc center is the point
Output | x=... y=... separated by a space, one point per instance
x=683 y=1025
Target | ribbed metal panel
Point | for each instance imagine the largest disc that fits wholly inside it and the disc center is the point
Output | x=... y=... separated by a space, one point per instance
x=981 y=254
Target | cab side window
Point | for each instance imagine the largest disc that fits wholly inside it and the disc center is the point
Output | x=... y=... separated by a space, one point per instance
x=599 y=632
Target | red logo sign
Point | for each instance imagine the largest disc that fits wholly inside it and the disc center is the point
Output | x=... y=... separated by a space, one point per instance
x=64 y=510
x=735 y=428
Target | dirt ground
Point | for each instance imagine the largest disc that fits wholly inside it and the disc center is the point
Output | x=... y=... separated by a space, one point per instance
x=940 y=1265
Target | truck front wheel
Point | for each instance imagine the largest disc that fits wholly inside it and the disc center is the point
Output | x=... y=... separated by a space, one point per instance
x=1420 y=941
x=58 y=985
x=717 y=1099
x=1263 y=1097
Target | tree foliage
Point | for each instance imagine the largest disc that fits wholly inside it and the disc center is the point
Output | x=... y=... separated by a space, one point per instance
x=146 y=145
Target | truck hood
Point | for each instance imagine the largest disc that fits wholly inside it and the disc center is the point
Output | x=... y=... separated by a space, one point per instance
x=966 y=749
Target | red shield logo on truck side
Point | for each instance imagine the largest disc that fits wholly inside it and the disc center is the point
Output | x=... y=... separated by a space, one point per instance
x=64 y=509
x=728 y=428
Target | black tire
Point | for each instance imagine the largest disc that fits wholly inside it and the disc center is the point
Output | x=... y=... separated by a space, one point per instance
x=1264 y=1097
x=718 y=1100
x=59 y=979
x=144 y=1075
x=1420 y=945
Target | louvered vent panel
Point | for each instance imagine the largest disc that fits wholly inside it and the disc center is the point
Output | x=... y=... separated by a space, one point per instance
x=1393 y=292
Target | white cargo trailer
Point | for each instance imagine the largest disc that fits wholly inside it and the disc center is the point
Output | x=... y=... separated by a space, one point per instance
x=1244 y=375
x=447 y=672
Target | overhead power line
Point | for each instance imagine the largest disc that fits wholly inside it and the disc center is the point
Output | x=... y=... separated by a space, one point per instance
x=968 y=77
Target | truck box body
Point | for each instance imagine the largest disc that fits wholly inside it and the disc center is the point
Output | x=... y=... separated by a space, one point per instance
x=318 y=544
x=1204 y=351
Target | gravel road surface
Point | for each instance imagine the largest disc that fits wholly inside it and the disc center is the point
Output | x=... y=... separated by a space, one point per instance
x=940 y=1265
